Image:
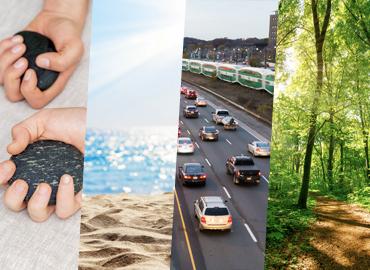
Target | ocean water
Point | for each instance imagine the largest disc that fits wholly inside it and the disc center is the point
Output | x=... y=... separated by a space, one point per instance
x=138 y=161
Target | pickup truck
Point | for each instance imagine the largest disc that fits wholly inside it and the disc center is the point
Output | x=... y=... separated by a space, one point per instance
x=243 y=170
x=219 y=114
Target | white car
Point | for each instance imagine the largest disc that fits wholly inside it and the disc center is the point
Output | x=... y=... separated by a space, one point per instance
x=212 y=213
x=200 y=102
x=219 y=114
x=229 y=123
x=259 y=148
x=185 y=145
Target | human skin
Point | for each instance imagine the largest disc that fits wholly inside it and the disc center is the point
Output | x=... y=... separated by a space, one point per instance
x=66 y=125
x=60 y=20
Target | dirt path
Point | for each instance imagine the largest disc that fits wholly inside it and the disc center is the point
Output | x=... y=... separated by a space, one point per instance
x=340 y=238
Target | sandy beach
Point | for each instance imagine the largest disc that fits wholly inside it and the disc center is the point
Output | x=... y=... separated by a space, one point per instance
x=126 y=232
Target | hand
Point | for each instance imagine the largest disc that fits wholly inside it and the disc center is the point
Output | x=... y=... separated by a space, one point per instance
x=60 y=20
x=66 y=125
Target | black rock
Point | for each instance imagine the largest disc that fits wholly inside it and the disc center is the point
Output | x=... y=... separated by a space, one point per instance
x=38 y=44
x=45 y=162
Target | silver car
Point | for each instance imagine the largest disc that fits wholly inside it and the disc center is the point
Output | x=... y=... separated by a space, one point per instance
x=259 y=148
x=185 y=145
x=212 y=213
x=200 y=102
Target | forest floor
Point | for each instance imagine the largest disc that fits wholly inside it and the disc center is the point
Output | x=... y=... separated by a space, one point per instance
x=339 y=239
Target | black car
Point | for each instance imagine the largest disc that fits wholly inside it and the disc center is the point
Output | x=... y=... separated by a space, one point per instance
x=191 y=111
x=208 y=133
x=192 y=173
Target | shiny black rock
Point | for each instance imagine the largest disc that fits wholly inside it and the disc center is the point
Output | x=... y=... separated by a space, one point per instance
x=46 y=161
x=38 y=44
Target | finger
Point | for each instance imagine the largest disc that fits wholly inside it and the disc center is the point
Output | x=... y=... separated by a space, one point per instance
x=7 y=169
x=7 y=43
x=15 y=194
x=38 y=207
x=68 y=56
x=12 y=79
x=9 y=57
x=21 y=134
x=66 y=204
x=37 y=98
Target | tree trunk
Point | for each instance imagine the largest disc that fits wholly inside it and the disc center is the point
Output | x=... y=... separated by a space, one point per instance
x=366 y=144
x=331 y=152
x=319 y=44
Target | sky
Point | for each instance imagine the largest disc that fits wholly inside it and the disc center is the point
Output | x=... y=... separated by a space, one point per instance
x=210 y=19
x=135 y=63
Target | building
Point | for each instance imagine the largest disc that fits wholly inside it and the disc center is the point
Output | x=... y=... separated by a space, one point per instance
x=272 y=36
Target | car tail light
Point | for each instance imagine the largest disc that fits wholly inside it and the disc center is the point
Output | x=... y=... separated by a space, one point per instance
x=259 y=173
x=204 y=176
x=187 y=177
x=258 y=149
x=203 y=220
x=238 y=173
x=230 y=220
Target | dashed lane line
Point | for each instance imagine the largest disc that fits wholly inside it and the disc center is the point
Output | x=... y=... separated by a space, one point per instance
x=227 y=193
x=209 y=164
x=250 y=232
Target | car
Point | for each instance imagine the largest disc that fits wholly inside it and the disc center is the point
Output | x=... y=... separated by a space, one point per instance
x=259 y=148
x=200 y=102
x=229 y=123
x=243 y=169
x=219 y=114
x=208 y=133
x=191 y=94
x=190 y=111
x=192 y=173
x=183 y=90
x=185 y=145
x=212 y=213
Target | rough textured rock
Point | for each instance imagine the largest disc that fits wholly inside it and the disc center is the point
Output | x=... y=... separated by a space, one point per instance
x=38 y=44
x=46 y=161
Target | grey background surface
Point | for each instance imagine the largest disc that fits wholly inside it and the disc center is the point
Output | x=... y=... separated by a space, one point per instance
x=23 y=243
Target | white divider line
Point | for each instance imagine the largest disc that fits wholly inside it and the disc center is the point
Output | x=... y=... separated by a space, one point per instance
x=250 y=232
x=197 y=144
x=188 y=131
x=205 y=119
x=209 y=164
x=227 y=193
x=228 y=142
x=264 y=178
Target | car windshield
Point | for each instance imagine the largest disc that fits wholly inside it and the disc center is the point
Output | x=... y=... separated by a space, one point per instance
x=224 y=113
x=193 y=168
x=191 y=92
x=210 y=129
x=263 y=145
x=184 y=141
x=244 y=161
x=192 y=108
x=216 y=211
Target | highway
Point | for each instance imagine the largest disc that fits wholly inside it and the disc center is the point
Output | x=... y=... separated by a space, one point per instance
x=243 y=247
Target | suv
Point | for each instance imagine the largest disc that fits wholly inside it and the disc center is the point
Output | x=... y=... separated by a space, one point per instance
x=190 y=111
x=212 y=213
x=219 y=114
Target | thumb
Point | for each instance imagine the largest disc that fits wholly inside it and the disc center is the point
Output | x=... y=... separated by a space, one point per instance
x=69 y=55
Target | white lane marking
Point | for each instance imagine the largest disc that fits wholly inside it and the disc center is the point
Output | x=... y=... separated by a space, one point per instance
x=205 y=119
x=250 y=232
x=185 y=101
x=264 y=178
x=181 y=122
x=228 y=142
x=188 y=131
x=197 y=144
x=227 y=193
x=209 y=164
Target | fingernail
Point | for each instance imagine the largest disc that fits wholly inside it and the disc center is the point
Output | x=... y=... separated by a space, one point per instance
x=66 y=179
x=17 y=39
x=19 y=187
x=27 y=75
x=19 y=64
x=42 y=190
x=44 y=62
x=17 y=49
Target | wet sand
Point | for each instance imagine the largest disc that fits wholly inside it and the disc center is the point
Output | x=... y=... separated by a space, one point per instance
x=126 y=232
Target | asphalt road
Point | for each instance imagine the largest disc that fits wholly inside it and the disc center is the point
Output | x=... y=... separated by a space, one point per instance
x=243 y=247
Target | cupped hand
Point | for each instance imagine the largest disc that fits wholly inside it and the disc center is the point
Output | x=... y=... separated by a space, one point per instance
x=65 y=31
x=66 y=125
